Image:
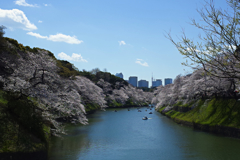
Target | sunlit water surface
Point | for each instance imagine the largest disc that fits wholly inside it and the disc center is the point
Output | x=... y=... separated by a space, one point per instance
x=123 y=135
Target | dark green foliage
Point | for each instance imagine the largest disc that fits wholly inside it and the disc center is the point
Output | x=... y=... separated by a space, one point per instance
x=95 y=71
x=22 y=128
x=178 y=103
x=129 y=103
x=189 y=104
x=17 y=46
x=91 y=107
x=146 y=89
x=34 y=49
x=12 y=41
x=87 y=74
x=114 y=79
x=51 y=55
x=3 y=42
x=22 y=48
x=214 y=112
x=15 y=43
x=66 y=69
x=114 y=104
x=106 y=76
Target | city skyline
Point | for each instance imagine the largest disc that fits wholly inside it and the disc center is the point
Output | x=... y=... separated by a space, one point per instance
x=144 y=83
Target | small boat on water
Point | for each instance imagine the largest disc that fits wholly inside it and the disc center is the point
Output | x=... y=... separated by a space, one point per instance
x=115 y=111
x=150 y=113
x=145 y=118
x=128 y=109
x=139 y=110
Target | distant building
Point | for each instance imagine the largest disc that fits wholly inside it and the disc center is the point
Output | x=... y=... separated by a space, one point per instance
x=143 y=83
x=156 y=83
x=168 y=81
x=133 y=81
x=119 y=75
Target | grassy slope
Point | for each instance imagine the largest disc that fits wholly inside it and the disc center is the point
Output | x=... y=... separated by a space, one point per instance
x=222 y=112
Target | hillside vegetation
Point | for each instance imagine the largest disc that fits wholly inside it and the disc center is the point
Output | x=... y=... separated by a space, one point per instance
x=202 y=101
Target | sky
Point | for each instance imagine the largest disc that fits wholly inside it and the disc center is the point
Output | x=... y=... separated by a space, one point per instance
x=125 y=36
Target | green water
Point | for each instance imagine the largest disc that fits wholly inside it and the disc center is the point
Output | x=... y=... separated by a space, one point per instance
x=123 y=135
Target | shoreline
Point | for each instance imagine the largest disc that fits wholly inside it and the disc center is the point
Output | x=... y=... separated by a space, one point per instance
x=214 y=129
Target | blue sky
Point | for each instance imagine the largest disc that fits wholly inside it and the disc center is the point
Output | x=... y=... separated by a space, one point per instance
x=120 y=35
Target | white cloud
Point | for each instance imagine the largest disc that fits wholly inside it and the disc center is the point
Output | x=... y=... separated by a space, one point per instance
x=74 y=57
x=78 y=57
x=58 y=38
x=39 y=21
x=141 y=62
x=16 y=18
x=121 y=43
x=64 y=38
x=23 y=3
x=37 y=35
x=46 y=5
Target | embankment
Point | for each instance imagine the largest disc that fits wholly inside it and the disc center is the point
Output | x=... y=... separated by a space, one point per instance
x=219 y=116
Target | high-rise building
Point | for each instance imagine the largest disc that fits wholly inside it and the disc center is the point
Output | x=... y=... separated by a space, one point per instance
x=133 y=81
x=168 y=81
x=156 y=83
x=143 y=83
x=119 y=75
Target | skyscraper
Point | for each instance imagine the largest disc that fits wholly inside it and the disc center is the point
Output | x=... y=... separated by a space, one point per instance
x=168 y=81
x=156 y=82
x=119 y=75
x=143 y=83
x=133 y=81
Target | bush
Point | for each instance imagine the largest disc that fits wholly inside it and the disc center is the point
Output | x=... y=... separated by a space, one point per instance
x=22 y=127
x=66 y=69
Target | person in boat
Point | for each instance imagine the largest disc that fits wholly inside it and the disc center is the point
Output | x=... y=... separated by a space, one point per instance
x=144 y=118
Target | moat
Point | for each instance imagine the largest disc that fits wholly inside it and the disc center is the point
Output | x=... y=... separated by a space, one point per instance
x=123 y=135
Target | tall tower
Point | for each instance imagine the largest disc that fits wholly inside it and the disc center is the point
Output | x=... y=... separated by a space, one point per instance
x=152 y=78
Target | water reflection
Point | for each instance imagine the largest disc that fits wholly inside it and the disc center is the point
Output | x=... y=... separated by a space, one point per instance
x=124 y=135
